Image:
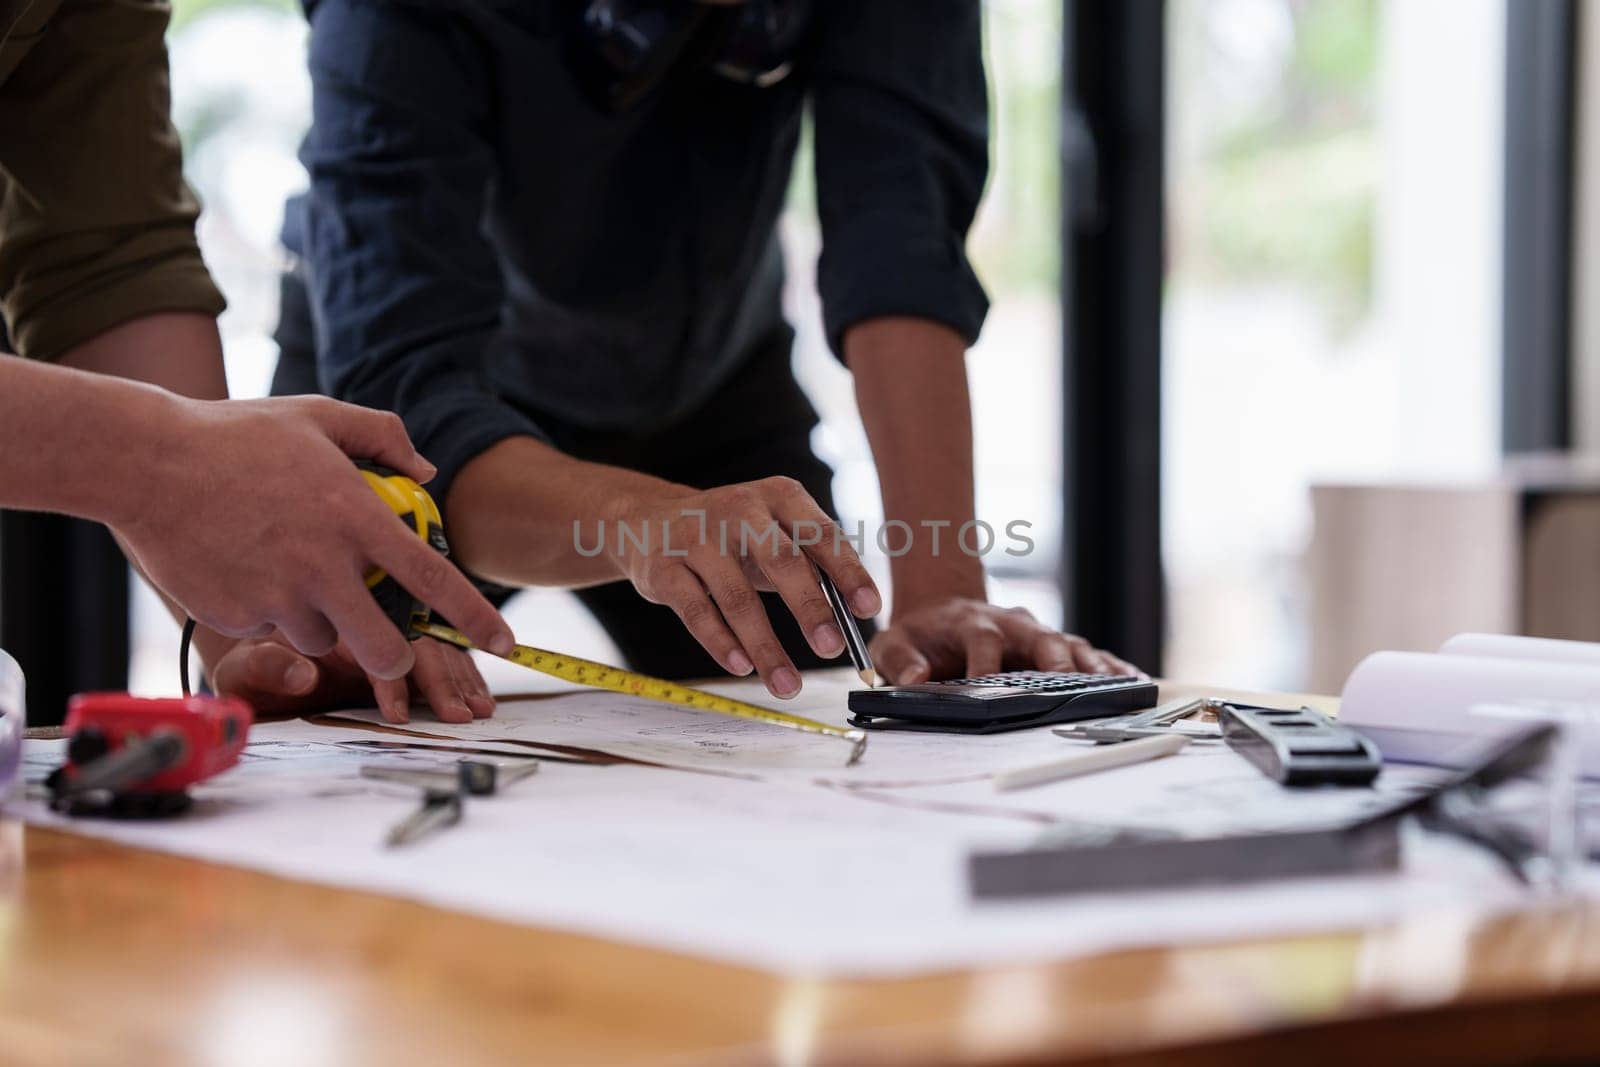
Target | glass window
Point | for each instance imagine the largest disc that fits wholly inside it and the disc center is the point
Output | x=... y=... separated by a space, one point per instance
x=1015 y=369
x=1332 y=306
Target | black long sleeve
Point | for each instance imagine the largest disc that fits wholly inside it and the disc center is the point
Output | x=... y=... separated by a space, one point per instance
x=902 y=128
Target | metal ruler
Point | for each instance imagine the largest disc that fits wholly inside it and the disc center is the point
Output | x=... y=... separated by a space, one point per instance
x=603 y=676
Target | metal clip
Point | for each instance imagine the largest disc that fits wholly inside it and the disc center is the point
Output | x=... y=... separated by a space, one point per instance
x=440 y=809
x=1168 y=718
x=445 y=793
x=477 y=778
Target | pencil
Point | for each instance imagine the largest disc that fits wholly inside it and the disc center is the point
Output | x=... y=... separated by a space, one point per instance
x=1103 y=758
x=852 y=632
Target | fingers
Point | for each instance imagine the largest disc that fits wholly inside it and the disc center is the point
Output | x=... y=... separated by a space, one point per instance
x=985 y=647
x=715 y=592
x=1122 y=666
x=434 y=580
x=362 y=433
x=1095 y=661
x=820 y=536
x=1049 y=650
x=897 y=659
x=680 y=590
x=235 y=626
x=264 y=673
x=470 y=680
x=795 y=580
x=1078 y=655
x=310 y=632
x=436 y=680
x=743 y=611
x=372 y=640
x=937 y=641
x=274 y=677
x=393 y=697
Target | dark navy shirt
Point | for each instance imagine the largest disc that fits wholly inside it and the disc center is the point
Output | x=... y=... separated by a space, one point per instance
x=485 y=249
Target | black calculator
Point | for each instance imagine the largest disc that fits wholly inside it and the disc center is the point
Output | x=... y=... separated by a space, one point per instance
x=996 y=703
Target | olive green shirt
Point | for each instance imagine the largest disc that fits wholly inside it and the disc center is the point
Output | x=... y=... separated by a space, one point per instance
x=96 y=222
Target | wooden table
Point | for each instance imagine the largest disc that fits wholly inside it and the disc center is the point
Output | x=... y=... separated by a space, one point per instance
x=110 y=955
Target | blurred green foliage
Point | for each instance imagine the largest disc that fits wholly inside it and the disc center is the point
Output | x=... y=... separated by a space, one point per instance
x=186 y=11
x=1015 y=244
x=1336 y=45
x=202 y=120
x=1284 y=188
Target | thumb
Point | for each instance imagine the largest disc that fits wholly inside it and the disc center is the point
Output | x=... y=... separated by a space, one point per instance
x=265 y=674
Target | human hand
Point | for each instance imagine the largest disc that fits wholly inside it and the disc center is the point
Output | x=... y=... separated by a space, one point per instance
x=253 y=518
x=967 y=638
x=272 y=677
x=721 y=547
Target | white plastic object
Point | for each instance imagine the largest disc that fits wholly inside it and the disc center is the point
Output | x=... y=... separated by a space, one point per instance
x=13 y=709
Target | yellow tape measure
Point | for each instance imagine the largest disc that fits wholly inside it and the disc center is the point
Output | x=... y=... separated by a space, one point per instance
x=417 y=510
x=603 y=676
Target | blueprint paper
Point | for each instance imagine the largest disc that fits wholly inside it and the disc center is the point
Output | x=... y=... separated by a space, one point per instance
x=654 y=732
x=769 y=853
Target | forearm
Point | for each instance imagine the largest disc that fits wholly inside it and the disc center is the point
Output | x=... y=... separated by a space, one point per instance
x=76 y=443
x=182 y=353
x=178 y=351
x=911 y=388
x=519 y=512
x=911 y=385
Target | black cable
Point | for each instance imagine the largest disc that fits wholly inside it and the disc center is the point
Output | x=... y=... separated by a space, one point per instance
x=183 y=654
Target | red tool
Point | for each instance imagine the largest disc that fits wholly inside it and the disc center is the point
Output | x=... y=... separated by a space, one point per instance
x=136 y=757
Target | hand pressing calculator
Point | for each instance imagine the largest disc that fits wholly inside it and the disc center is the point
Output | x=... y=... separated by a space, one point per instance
x=996 y=703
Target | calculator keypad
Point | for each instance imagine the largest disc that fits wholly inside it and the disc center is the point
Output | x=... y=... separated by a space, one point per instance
x=1037 y=681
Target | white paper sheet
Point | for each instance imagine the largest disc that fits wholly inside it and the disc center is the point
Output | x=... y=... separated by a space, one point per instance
x=857 y=877
x=678 y=737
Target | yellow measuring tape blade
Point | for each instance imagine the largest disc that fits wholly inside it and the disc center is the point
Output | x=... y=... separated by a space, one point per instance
x=603 y=676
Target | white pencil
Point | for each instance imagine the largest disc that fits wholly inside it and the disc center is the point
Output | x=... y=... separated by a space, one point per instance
x=1103 y=758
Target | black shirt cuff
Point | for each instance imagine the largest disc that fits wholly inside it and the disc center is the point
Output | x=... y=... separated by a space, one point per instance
x=898 y=268
x=455 y=426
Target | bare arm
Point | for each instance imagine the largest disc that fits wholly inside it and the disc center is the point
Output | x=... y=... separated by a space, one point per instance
x=248 y=513
x=911 y=386
x=179 y=351
x=274 y=465
x=512 y=510
x=74 y=443
x=901 y=147
x=182 y=353
x=523 y=513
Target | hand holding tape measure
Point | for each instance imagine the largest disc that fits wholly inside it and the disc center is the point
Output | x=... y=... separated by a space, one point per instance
x=412 y=504
x=137 y=757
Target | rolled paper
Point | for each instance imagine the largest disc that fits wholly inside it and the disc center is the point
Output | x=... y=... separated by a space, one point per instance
x=1507 y=646
x=1419 y=706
